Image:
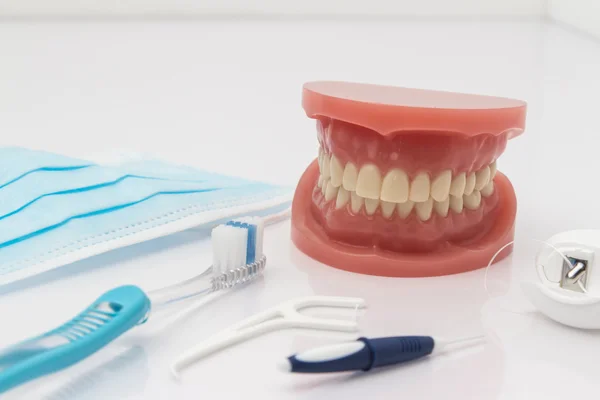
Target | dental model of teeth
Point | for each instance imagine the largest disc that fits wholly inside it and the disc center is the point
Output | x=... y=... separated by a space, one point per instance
x=394 y=191
x=405 y=183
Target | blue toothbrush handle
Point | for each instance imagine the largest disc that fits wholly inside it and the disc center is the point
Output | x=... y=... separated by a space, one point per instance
x=363 y=354
x=111 y=315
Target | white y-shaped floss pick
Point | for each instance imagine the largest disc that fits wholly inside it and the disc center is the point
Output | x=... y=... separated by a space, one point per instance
x=284 y=315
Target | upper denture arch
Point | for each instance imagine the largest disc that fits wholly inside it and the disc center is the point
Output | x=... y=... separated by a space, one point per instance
x=427 y=171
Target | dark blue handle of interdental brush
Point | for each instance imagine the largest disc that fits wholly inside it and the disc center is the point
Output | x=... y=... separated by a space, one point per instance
x=398 y=349
x=374 y=353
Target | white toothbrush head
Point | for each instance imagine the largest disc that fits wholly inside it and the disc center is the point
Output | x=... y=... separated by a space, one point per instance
x=237 y=252
x=229 y=248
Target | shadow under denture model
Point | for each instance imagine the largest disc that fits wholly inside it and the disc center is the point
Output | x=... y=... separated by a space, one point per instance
x=424 y=305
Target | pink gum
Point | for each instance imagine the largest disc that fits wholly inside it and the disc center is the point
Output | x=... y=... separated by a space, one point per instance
x=412 y=152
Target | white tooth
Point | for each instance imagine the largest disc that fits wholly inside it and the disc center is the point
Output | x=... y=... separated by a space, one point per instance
x=440 y=187
x=470 y=185
x=330 y=191
x=419 y=190
x=488 y=189
x=405 y=208
x=456 y=204
x=457 y=188
x=441 y=207
x=492 y=170
x=356 y=202
x=473 y=200
x=336 y=170
x=320 y=181
x=368 y=184
x=320 y=160
x=343 y=197
x=424 y=209
x=324 y=186
x=395 y=186
x=350 y=176
x=371 y=206
x=325 y=166
x=387 y=208
x=482 y=177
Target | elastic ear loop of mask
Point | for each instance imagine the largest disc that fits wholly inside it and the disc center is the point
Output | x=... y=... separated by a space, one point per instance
x=543 y=269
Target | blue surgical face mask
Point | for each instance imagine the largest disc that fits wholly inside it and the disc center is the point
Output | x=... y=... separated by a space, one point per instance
x=55 y=210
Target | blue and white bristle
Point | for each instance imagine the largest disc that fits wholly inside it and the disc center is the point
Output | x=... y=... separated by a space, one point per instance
x=237 y=243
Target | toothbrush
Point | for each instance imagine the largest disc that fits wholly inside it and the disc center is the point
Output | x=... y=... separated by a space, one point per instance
x=365 y=354
x=237 y=259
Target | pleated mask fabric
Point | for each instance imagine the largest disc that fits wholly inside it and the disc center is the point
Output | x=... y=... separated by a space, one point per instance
x=55 y=210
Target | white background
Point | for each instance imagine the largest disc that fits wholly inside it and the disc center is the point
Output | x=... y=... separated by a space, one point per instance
x=583 y=15
x=225 y=95
x=275 y=7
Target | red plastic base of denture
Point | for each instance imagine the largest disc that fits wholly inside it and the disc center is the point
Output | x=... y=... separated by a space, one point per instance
x=454 y=257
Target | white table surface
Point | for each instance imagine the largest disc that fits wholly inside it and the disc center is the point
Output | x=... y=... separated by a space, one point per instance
x=226 y=95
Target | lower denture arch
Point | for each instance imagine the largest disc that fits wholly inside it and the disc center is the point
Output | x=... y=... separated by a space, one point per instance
x=411 y=191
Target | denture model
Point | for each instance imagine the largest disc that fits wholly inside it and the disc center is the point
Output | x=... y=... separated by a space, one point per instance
x=405 y=183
